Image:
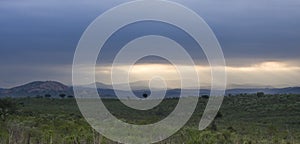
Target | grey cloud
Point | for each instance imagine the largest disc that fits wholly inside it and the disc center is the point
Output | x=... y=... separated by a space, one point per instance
x=45 y=33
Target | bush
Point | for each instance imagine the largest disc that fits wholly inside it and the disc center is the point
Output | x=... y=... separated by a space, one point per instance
x=7 y=106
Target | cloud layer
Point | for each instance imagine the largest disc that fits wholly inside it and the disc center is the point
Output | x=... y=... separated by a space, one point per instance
x=260 y=38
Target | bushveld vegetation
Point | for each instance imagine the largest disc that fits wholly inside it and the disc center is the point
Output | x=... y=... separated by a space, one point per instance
x=243 y=119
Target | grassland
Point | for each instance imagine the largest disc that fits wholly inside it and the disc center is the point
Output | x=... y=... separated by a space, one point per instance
x=243 y=119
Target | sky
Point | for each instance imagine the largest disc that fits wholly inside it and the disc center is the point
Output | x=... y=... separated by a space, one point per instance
x=260 y=40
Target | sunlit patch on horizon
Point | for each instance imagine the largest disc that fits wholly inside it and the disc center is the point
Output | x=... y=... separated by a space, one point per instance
x=268 y=73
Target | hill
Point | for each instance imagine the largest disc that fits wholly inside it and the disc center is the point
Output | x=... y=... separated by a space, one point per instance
x=288 y=90
x=41 y=88
x=37 y=88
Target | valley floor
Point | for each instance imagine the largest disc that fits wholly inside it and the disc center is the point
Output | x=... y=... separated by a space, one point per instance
x=242 y=119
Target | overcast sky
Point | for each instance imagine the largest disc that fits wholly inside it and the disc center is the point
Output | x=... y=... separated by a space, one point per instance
x=38 y=38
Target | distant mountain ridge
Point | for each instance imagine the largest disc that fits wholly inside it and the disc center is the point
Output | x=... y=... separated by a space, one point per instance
x=287 y=90
x=137 y=85
x=37 y=88
x=53 y=88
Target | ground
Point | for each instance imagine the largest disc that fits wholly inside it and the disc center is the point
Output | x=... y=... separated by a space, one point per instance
x=242 y=119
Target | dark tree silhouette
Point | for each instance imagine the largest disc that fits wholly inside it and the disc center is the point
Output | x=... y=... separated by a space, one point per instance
x=205 y=96
x=47 y=95
x=260 y=94
x=62 y=95
x=145 y=95
x=70 y=96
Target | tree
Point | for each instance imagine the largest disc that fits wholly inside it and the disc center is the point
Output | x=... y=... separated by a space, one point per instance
x=145 y=95
x=62 y=95
x=205 y=96
x=260 y=94
x=47 y=95
x=7 y=106
x=70 y=96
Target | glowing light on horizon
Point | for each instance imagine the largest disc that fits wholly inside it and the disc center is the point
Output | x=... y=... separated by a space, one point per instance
x=269 y=73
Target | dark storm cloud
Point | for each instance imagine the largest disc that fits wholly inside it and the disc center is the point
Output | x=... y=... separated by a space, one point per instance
x=255 y=29
x=45 y=33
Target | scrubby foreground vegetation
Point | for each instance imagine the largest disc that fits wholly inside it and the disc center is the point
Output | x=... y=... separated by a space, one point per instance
x=242 y=119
